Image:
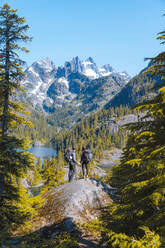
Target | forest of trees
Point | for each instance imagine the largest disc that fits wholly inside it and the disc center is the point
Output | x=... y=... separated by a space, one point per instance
x=136 y=218
x=40 y=130
x=17 y=207
x=95 y=132
x=14 y=161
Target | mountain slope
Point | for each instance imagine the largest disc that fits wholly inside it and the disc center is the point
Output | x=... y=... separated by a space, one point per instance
x=135 y=91
x=37 y=78
x=71 y=91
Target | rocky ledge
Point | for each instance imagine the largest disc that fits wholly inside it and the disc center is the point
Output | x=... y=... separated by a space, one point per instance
x=77 y=201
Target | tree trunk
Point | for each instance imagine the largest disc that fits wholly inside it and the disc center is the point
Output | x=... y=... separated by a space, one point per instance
x=5 y=113
x=1 y=185
x=6 y=89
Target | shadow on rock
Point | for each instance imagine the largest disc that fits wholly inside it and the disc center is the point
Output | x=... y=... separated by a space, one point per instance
x=64 y=234
x=49 y=236
x=106 y=188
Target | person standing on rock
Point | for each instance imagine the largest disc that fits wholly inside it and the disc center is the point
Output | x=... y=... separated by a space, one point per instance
x=86 y=157
x=70 y=157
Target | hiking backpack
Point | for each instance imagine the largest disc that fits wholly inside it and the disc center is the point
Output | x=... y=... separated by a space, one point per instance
x=68 y=156
x=87 y=156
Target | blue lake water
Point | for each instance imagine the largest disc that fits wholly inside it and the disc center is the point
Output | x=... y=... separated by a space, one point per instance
x=43 y=152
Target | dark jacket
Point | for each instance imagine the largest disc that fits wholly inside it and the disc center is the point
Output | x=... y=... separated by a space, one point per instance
x=83 y=157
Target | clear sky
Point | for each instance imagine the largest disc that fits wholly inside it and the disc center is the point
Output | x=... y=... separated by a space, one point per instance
x=116 y=32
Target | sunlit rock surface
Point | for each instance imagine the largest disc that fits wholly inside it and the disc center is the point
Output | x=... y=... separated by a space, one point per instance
x=77 y=201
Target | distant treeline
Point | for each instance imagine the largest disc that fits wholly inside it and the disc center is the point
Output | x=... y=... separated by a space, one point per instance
x=96 y=132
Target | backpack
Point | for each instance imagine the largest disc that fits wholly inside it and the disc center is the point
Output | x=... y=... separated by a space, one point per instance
x=68 y=156
x=87 y=156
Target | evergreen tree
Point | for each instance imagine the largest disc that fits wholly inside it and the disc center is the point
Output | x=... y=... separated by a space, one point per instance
x=94 y=131
x=53 y=175
x=140 y=178
x=13 y=160
x=37 y=172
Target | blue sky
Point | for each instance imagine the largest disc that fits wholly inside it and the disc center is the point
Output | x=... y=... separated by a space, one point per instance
x=116 y=32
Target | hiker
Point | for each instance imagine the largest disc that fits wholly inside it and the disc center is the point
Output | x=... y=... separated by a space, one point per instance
x=70 y=157
x=85 y=159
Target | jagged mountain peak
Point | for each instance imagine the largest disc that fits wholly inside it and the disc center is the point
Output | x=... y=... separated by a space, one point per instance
x=73 y=83
x=108 y=67
x=38 y=78
x=90 y=59
x=87 y=67
x=76 y=59
x=46 y=64
x=45 y=60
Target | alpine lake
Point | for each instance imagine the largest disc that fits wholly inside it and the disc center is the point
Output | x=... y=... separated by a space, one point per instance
x=43 y=153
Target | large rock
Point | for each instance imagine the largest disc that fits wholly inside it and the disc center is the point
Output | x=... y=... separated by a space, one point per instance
x=76 y=201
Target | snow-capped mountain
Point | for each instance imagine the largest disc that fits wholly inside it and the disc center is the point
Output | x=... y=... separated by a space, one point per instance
x=89 y=68
x=50 y=87
x=38 y=77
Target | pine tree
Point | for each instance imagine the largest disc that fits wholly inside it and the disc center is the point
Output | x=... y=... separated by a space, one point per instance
x=13 y=161
x=53 y=175
x=140 y=177
x=37 y=172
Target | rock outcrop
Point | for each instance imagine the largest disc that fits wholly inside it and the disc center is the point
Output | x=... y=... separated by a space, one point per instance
x=72 y=202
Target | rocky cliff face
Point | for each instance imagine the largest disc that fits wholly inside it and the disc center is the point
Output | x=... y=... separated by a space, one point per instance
x=75 y=201
x=87 y=67
x=73 y=90
x=76 y=83
x=37 y=79
x=137 y=90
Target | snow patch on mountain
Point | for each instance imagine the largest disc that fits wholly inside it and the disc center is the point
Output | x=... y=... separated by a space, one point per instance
x=46 y=64
x=90 y=73
x=103 y=72
x=89 y=68
x=38 y=78
x=50 y=86
x=64 y=81
x=35 y=90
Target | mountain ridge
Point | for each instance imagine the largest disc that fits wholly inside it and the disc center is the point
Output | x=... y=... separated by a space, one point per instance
x=78 y=87
x=42 y=73
x=138 y=89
